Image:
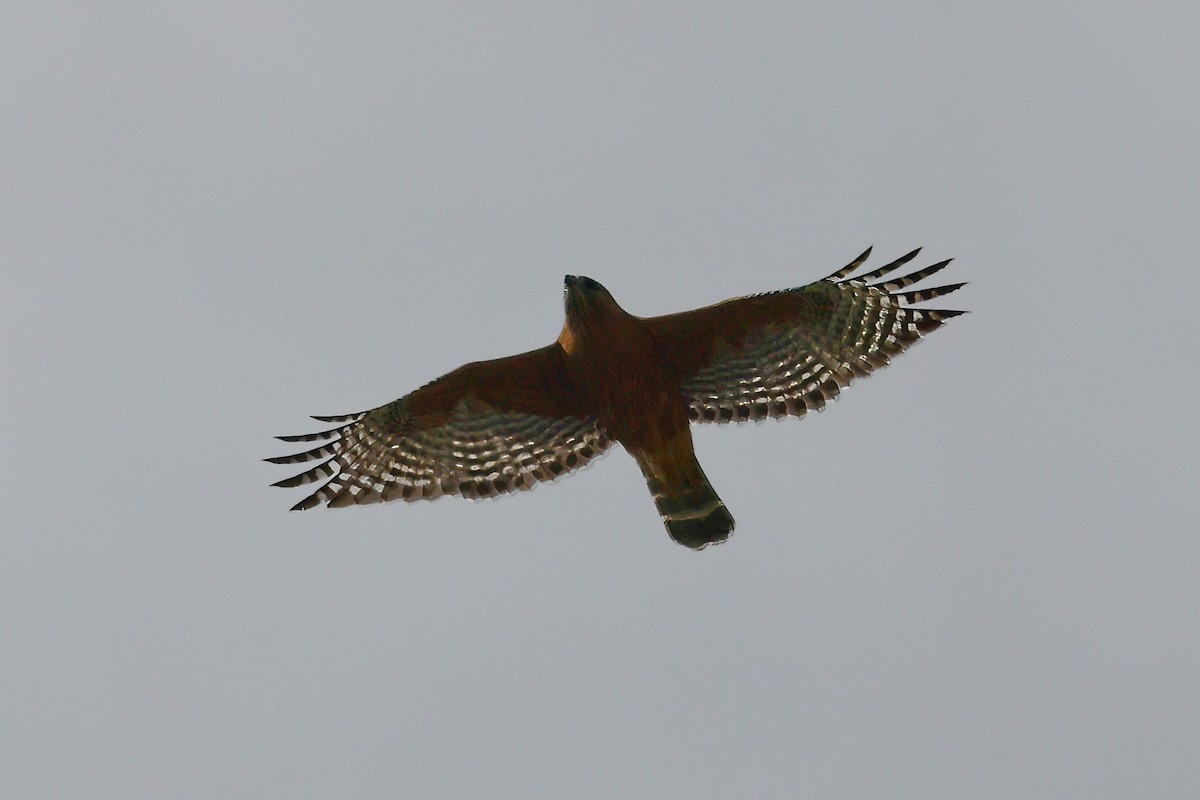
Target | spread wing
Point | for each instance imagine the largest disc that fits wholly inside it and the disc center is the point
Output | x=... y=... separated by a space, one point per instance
x=785 y=353
x=484 y=429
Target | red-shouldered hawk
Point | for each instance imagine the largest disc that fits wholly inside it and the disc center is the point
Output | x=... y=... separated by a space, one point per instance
x=492 y=427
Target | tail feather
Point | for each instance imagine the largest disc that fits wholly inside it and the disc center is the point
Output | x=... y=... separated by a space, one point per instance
x=694 y=515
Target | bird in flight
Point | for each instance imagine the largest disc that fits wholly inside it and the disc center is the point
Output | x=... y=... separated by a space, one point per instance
x=492 y=427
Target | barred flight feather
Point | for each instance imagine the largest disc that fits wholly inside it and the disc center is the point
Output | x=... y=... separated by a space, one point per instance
x=853 y=265
x=851 y=328
x=478 y=453
x=886 y=268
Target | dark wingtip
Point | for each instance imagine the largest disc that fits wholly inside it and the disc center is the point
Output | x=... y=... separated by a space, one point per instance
x=853 y=265
x=875 y=274
x=923 y=295
x=339 y=417
x=312 y=501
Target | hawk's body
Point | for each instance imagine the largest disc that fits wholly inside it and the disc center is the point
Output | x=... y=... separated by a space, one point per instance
x=496 y=426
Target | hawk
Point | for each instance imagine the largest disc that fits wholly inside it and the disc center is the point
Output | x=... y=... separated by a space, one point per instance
x=493 y=427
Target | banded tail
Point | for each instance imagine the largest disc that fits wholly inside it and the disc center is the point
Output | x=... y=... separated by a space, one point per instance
x=695 y=517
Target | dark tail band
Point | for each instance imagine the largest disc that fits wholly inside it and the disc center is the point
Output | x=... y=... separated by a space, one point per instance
x=695 y=517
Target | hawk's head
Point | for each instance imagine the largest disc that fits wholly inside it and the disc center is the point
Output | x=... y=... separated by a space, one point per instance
x=589 y=306
x=585 y=298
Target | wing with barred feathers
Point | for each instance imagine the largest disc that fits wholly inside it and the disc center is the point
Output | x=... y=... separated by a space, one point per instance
x=485 y=429
x=789 y=352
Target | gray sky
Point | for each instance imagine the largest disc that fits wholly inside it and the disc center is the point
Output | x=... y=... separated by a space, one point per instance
x=974 y=576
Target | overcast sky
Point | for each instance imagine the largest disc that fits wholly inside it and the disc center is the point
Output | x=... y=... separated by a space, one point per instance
x=974 y=576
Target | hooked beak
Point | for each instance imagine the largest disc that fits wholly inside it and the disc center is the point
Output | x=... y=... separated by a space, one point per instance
x=580 y=291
